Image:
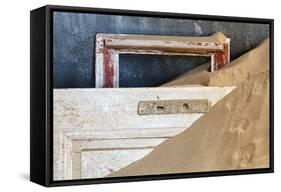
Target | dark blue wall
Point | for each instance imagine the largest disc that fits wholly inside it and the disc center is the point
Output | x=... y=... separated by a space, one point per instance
x=74 y=40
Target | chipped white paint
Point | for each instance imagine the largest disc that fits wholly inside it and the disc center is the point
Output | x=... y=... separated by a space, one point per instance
x=109 y=46
x=98 y=131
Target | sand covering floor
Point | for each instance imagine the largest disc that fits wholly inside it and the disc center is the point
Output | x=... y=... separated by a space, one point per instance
x=233 y=135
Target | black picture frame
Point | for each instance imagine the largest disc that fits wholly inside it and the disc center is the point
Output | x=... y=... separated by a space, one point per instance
x=41 y=91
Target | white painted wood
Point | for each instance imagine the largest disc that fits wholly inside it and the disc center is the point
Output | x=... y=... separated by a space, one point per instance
x=100 y=125
x=127 y=40
x=99 y=70
x=98 y=158
x=117 y=108
x=216 y=45
x=161 y=44
x=68 y=145
x=115 y=144
x=109 y=161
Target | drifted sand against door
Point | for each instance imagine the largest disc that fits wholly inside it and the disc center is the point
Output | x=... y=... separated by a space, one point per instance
x=233 y=135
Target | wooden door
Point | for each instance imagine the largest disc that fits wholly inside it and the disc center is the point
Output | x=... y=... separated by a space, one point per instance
x=99 y=131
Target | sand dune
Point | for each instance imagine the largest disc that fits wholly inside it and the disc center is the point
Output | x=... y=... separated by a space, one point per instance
x=233 y=135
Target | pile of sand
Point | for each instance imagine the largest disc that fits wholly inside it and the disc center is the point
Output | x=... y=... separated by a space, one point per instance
x=233 y=135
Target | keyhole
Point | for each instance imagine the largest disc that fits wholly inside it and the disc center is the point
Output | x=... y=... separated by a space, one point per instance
x=159 y=107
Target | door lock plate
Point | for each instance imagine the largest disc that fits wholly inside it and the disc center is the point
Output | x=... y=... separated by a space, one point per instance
x=180 y=106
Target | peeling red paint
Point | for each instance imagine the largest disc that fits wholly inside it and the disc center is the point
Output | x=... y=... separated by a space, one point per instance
x=110 y=46
x=220 y=59
x=108 y=69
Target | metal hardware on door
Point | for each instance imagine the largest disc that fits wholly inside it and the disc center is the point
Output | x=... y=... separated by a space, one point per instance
x=178 y=106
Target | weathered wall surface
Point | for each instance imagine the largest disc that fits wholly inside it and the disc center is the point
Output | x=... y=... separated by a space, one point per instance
x=74 y=42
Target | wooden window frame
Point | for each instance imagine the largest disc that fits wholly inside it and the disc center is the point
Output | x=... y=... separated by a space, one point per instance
x=109 y=46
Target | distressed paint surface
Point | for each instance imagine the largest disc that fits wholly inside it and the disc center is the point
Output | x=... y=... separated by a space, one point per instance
x=110 y=46
x=109 y=161
x=108 y=68
x=221 y=58
x=176 y=106
x=100 y=125
x=74 y=43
